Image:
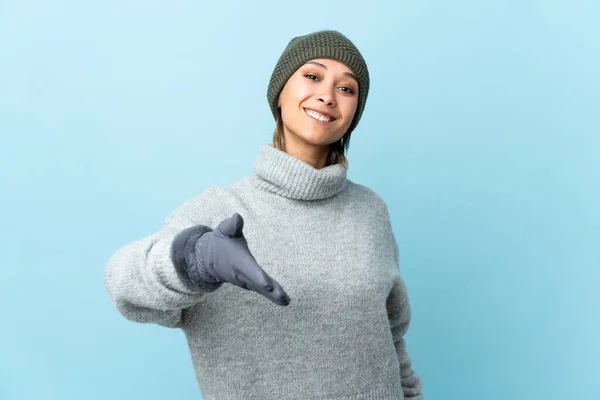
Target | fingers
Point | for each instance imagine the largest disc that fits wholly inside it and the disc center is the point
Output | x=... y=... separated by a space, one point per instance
x=256 y=279
x=231 y=227
x=249 y=268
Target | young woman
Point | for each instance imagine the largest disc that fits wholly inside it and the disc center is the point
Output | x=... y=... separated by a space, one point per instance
x=325 y=309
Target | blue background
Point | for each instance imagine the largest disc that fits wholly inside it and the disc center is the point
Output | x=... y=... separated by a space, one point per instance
x=481 y=133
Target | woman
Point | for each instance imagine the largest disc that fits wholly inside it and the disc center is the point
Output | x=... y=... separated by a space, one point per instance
x=336 y=330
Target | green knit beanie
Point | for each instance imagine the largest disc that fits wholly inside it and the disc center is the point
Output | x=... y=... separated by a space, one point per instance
x=327 y=44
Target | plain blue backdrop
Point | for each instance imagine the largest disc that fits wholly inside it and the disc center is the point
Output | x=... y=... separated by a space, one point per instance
x=481 y=133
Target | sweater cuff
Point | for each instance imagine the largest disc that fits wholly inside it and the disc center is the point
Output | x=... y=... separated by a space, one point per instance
x=183 y=255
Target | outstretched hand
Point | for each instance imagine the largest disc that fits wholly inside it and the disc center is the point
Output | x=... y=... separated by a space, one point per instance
x=225 y=254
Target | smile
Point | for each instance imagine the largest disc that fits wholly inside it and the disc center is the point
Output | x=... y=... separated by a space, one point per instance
x=318 y=116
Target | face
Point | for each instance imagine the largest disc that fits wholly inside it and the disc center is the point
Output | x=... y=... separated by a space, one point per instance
x=317 y=104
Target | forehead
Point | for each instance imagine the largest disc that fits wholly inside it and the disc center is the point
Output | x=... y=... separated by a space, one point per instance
x=331 y=64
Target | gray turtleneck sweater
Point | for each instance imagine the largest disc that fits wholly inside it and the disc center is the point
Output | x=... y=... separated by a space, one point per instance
x=328 y=241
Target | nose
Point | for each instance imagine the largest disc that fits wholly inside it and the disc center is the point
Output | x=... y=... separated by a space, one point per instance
x=327 y=97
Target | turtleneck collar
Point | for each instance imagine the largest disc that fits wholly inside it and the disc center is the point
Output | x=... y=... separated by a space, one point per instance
x=278 y=172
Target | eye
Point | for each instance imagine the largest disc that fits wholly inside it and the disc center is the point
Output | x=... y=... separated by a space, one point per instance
x=347 y=89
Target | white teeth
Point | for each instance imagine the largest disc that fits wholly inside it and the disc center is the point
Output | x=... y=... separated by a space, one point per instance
x=318 y=116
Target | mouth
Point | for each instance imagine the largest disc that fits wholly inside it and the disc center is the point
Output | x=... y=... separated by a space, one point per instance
x=317 y=116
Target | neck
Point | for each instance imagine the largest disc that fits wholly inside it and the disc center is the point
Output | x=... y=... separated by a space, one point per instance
x=313 y=155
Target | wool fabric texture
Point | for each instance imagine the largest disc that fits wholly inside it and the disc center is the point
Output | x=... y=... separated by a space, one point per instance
x=328 y=44
x=329 y=242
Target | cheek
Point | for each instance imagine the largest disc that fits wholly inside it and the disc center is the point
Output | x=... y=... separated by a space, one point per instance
x=299 y=87
x=350 y=110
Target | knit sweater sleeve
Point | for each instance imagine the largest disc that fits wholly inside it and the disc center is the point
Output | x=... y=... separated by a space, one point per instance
x=399 y=314
x=142 y=278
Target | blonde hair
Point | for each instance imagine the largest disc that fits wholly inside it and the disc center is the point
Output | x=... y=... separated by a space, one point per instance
x=336 y=151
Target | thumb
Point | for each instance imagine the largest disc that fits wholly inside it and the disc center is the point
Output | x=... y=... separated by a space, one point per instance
x=231 y=227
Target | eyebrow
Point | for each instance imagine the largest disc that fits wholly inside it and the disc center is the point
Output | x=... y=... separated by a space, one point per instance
x=348 y=74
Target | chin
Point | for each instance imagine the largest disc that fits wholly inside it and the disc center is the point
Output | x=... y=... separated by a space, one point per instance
x=321 y=138
x=315 y=137
x=317 y=141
